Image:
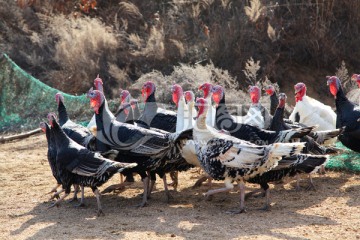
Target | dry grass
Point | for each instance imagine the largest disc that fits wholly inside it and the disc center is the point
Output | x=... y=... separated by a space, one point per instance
x=124 y=40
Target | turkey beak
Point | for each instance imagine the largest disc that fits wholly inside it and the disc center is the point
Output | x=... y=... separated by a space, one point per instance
x=328 y=82
x=358 y=120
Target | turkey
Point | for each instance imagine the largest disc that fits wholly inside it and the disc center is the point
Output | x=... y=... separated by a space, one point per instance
x=182 y=114
x=230 y=159
x=98 y=83
x=78 y=165
x=274 y=101
x=257 y=114
x=247 y=132
x=123 y=112
x=310 y=112
x=288 y=167
x=130 y=114
x=207 y=89
x=311 y=146
x=51 y=153
x=319 y=136
x=76 y=132
x=278 y=124
x=153 y=115
x=162 y=149
x=348 y=114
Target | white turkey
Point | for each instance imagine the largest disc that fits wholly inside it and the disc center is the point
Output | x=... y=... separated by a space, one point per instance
x=230 y=159
x=311 y=112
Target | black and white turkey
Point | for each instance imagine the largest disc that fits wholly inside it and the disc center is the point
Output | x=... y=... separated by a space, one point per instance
x=347 y=116
x=161 y=149
x=230 y=159
x=78 y=165
x=247 y=132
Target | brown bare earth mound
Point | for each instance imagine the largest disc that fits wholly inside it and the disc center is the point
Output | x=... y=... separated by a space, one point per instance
x=330 y=212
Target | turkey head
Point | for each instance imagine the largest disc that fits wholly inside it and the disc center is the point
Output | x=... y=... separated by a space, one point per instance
x=218 y=94
x=177 y=93
x=147 y=89
x=206 y=88
x=300 y=91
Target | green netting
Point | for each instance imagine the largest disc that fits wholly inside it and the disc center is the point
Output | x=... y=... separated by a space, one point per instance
x=348 y=160
x=25 y=101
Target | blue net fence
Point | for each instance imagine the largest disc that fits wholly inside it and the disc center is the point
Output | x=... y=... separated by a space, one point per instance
x=25 y=101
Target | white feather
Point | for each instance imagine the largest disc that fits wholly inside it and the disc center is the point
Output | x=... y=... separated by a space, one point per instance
x=313 y=112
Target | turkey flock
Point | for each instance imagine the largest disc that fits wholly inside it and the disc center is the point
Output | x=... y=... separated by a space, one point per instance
x=260 y=147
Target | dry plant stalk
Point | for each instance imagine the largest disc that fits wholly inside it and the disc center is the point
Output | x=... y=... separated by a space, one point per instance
x=254 y=11
x=251 y=69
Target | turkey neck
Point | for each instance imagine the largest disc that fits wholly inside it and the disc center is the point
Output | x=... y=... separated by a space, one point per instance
x=277 y=123
x=180 y=115
x=104 y=115
x=60 y=137
x=191 y=117
x=63 y=116
x=274 y=102
x=136 y=112
x=151 y=104
x=222 y=113
x=341 y=99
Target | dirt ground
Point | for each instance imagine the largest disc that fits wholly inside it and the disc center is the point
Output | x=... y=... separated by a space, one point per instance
x=333 y=211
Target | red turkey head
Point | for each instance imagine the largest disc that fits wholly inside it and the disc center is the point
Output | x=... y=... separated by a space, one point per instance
x=270 y=90
x=356 y=77
x=177 y=93
x=300 y=91
x=147 y=89
x=282 y=100
x=202 y=105
x=59 y=97
x=124 y=96
x=189 y=96
x=217 y=93
x=96 y=99
x=42 y=125
x=133 y=103
x=255 y=93
x=206 y=88
x=334 y=84
x=51 y=118
x=98 y=83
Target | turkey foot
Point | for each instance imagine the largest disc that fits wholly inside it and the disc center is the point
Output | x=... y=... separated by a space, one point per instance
x=237 y=211
x=199 y=182
x=174 y=178
x=100 y=213
x=116 y=187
